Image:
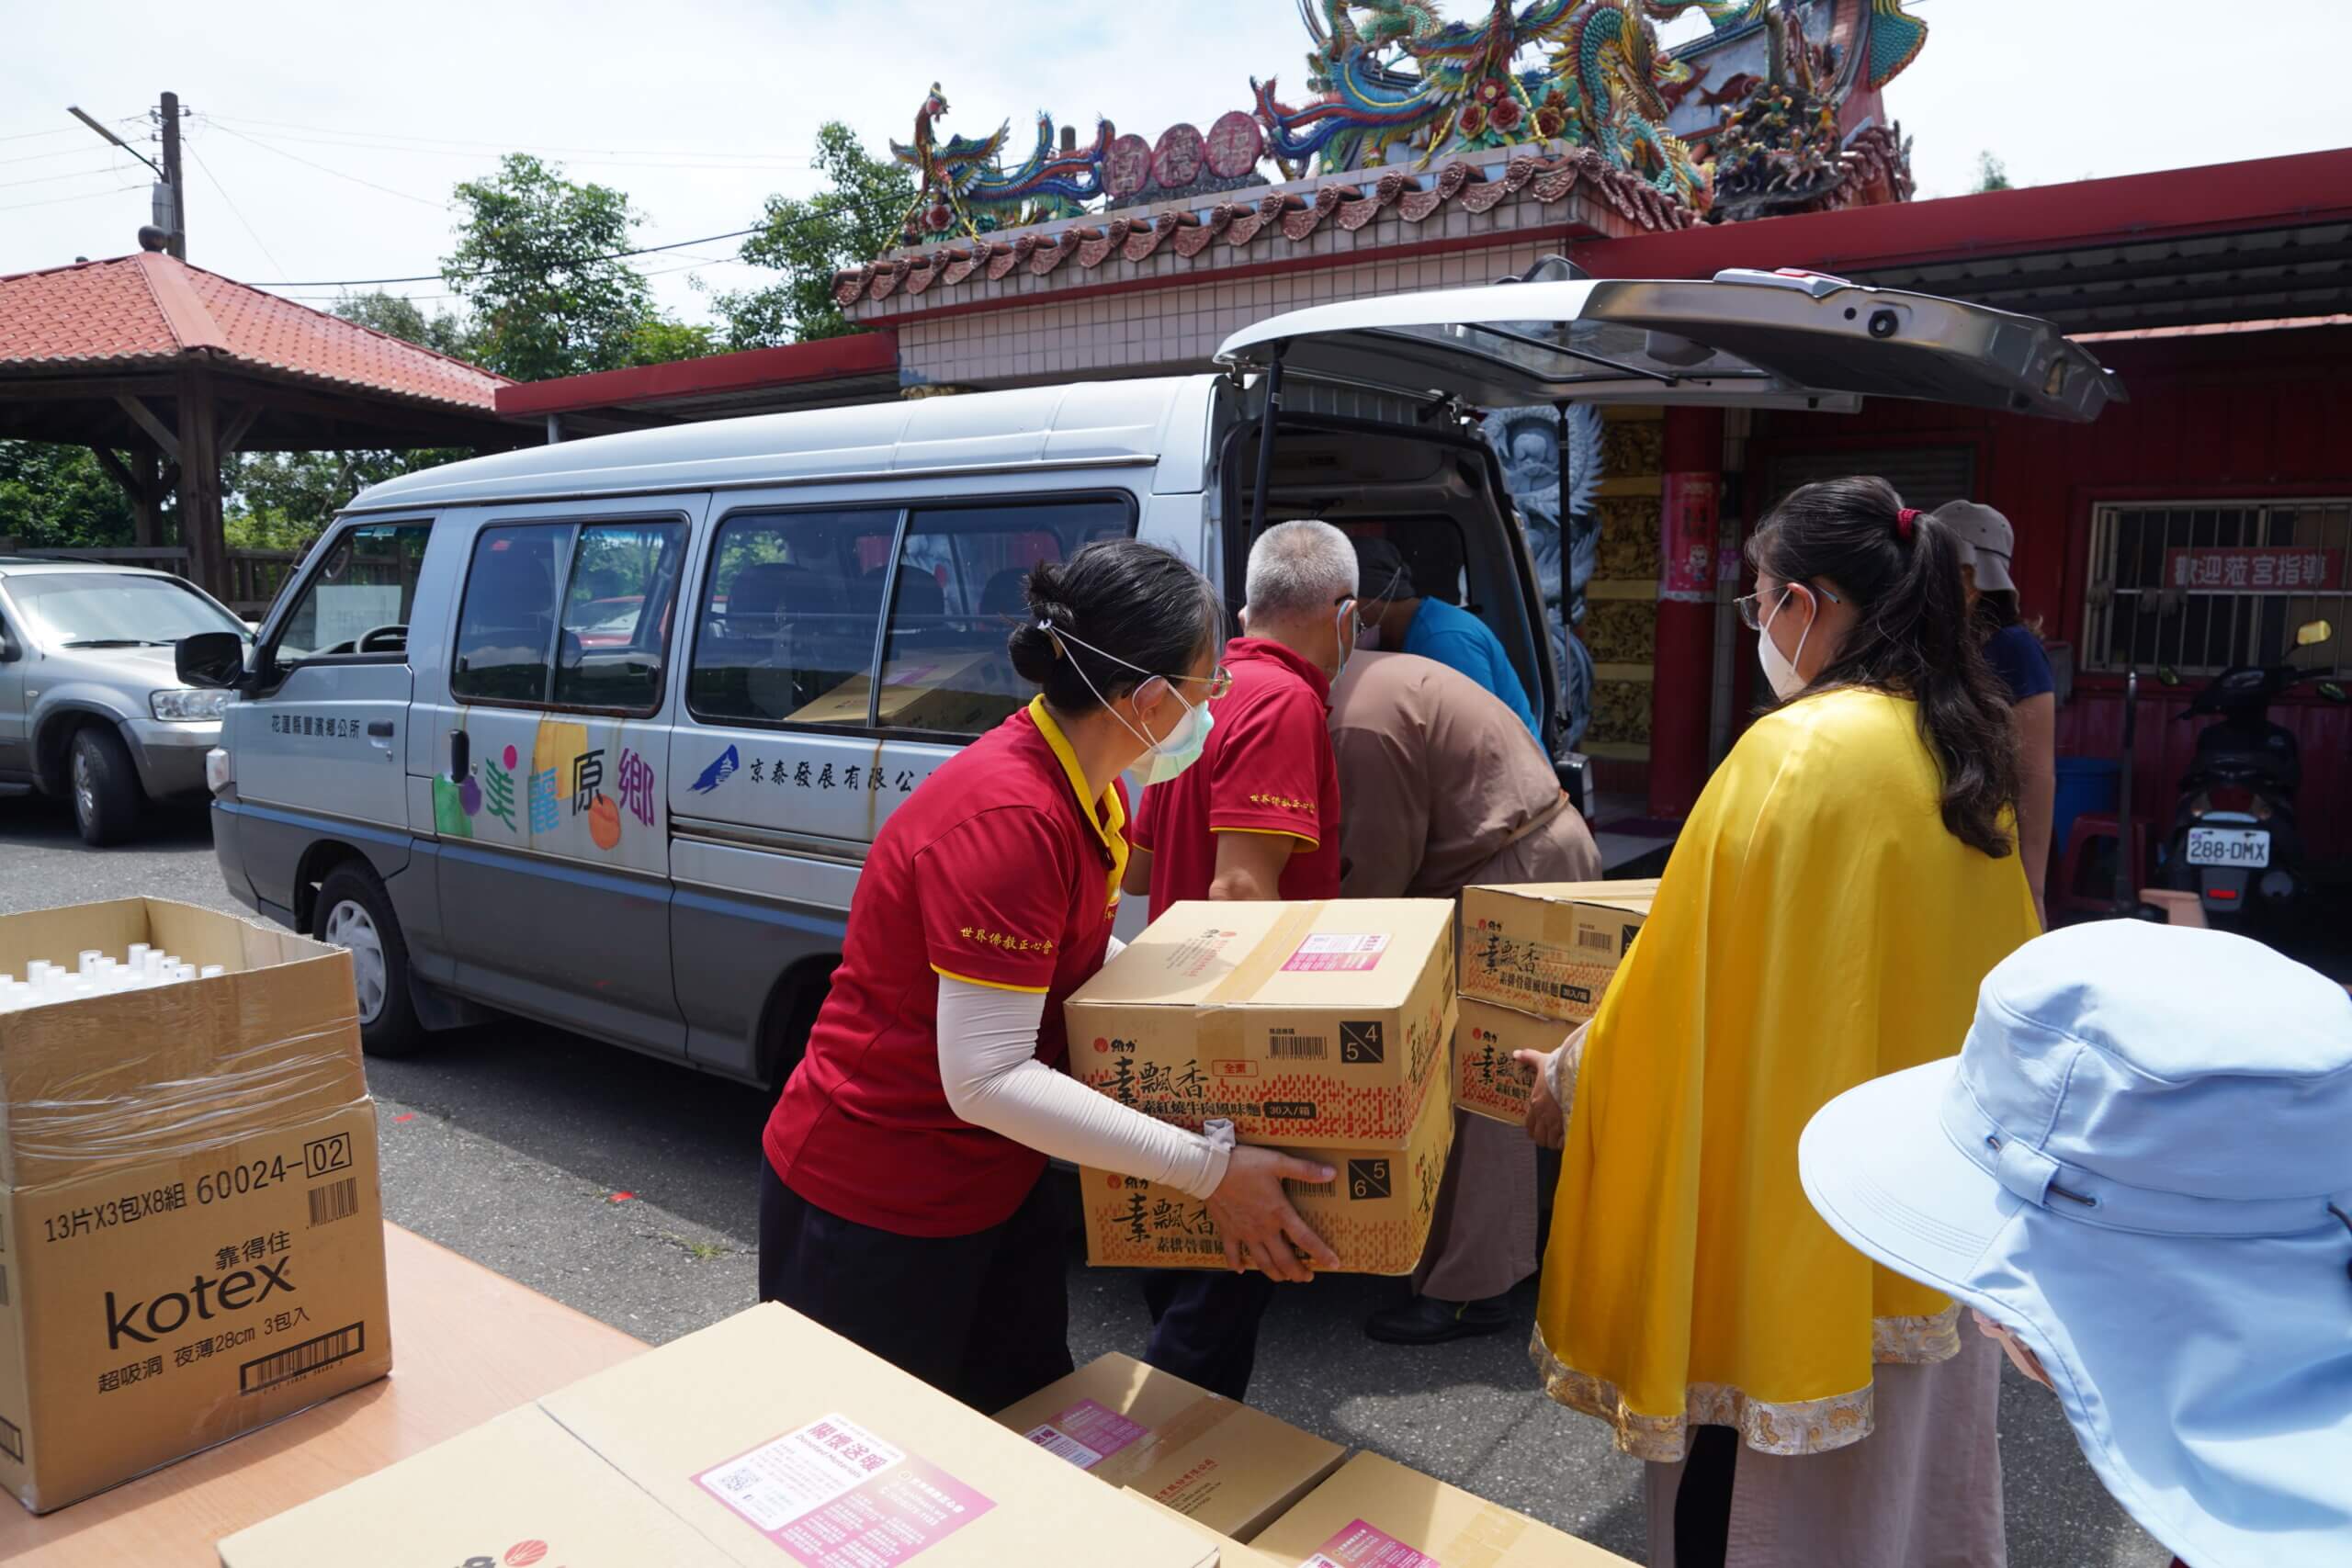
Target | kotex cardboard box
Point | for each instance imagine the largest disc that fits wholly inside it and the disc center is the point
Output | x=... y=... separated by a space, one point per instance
x=191 y=1238
x=1228 y=1466
x=1487 y=1081
x=1549 y=948
x=1230 y=1553
x=1375 y=1214
x=762 y=1441
x=1375 y=1513
x=1311 y=1024
x=946 y=691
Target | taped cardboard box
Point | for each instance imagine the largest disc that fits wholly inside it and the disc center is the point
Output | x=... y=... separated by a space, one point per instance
x=1230 y=1553
x=762 y=1440
x=191 y=1239
x=1307 y=1024
x=1228 y=1466
x=1487 y=1081
x=945 y=691
x=1549 y=948
x=1375 y=1513
x=1375 y=1214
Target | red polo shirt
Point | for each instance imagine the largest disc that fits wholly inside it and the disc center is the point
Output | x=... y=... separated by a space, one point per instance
x=1267 y=769
x=997 y=871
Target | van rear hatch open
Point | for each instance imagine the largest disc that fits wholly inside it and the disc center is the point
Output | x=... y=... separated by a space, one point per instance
x=1740 y=339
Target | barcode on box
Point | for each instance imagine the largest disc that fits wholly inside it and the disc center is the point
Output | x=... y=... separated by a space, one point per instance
x=1282 y=1045
x=268 y=1372
x=334 y=1201
x=1314 y=1188
x=1601 y=940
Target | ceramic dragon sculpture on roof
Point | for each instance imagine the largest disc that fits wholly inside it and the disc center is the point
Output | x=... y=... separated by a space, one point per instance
x=1389 y=73
x=964 y=186
x=1785 y=147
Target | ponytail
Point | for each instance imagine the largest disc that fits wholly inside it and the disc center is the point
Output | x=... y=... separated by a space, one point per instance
x=1913 y=636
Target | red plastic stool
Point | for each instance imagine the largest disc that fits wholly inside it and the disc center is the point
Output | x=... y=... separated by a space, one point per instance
x=2094 y=832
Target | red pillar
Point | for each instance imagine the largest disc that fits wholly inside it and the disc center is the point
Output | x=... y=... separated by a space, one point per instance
x=1682 y=674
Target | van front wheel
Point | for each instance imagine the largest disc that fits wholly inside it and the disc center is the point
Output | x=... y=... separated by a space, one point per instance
x=355 y=914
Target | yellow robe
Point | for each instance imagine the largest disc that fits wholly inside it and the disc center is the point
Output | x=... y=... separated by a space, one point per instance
x=1817 y=927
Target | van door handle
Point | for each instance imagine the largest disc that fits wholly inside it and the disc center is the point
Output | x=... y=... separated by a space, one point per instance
x=381 y=729
x=461 y=754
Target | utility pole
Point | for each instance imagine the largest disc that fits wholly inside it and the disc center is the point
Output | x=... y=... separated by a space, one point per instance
x=172 y=219
x=177 y=227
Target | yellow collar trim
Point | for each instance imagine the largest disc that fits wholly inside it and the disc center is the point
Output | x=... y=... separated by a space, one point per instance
x=1108 y=821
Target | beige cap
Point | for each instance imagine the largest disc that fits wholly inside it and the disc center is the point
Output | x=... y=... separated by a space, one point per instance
x=1989 y=539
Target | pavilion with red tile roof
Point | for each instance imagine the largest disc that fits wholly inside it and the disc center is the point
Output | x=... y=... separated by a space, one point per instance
x=163 y=370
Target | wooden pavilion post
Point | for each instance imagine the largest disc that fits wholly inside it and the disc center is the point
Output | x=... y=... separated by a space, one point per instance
x=201 y=527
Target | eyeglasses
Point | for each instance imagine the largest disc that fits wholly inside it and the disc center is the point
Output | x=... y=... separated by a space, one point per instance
x=1751 y=609
x=1219 y=680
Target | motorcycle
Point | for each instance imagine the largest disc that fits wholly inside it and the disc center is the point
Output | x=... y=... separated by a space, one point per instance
x=2234 y=840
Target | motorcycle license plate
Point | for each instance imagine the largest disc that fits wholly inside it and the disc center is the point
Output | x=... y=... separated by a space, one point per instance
x=2229 y=846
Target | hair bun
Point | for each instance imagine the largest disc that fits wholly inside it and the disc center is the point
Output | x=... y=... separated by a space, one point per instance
x=1032 y=646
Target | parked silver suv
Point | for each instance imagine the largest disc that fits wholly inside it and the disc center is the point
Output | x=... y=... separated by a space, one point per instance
x=89 y=706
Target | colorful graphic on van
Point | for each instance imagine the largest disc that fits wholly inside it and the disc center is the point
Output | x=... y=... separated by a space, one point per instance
x=448 y=811
x=636 y=782
x=498 y=787
x=556 y=758
x=587 y=776
x=469 y=797
x=604 y=822
x=721 y=769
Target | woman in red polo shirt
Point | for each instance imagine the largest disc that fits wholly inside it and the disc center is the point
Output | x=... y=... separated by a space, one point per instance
x=900 y=1202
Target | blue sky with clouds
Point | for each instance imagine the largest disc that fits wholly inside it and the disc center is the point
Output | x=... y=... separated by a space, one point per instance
x=326 y=137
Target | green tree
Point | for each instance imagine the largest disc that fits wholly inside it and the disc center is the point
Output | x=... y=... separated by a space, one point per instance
x=537 y=260
x=847 y=225
x=443 y=331
x=1991 y=172
x=56 y=497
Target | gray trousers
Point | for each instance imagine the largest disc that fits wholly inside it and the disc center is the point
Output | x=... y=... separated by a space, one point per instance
x=1482 y=1241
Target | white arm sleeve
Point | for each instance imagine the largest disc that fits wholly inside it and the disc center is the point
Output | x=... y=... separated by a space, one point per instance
x=987 y=1063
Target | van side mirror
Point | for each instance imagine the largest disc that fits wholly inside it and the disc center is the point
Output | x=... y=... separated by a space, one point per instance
x=212 y=660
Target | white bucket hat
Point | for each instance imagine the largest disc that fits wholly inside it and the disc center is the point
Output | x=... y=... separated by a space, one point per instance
x=2141 y=1163
x=1989 y=539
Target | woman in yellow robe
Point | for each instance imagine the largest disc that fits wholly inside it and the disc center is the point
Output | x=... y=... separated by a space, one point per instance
x=1841 y=889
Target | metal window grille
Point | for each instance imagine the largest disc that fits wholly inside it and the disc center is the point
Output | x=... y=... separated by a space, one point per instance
x=2199 y=586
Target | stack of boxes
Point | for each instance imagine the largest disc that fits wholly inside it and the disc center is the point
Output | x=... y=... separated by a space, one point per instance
x=1535 y=961
x=1317 y=1028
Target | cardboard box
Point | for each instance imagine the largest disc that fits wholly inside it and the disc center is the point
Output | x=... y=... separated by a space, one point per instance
x=1375 y=1214
x=944 y=690
x=1229 y=1466
x=191 y=1239
x=1549 y=948
x=1376 y=1514
x=1230 y=1553
x=763 y=1441
x=1312 y=1024
x=1487 y=1081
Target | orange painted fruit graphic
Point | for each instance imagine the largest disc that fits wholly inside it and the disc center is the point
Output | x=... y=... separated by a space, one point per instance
x=604 y=822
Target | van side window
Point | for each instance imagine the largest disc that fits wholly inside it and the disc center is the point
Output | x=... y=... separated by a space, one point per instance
x=785 y=627
x=958 y=597
x=367 y=583
x=598 y=641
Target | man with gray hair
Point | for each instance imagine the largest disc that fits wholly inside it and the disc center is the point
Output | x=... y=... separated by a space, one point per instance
x=1257 y=817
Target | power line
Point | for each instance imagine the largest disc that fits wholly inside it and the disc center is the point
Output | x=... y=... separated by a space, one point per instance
x=62 y=200
x=492 y=272
x=31 y=135
x=353 y=138
x=235 y=210
x=111 y=168
x=338 y=173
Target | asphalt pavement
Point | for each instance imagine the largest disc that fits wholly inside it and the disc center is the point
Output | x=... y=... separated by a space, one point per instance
x=625 y=1187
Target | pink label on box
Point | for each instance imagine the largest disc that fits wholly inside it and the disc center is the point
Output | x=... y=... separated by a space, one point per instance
x=1086 y=1434
x=1331 y=950
x=1361 y=1546
x=834 y=1495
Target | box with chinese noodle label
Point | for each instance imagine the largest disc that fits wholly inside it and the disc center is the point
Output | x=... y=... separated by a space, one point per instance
x=1487 y=1079
x=191 y=1239
x=1375 y=1513
x=1549 y=948
x=1304 y=1025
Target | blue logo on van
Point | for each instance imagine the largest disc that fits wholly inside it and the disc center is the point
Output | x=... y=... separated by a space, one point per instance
x=721 y=769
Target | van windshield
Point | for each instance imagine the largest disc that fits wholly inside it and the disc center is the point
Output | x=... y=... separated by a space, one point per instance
x=116 y=609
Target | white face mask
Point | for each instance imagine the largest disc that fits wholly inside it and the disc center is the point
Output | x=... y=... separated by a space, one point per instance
x=1368 y=638
x=1342 y=624
x=1779 y=667
x=1172 y=752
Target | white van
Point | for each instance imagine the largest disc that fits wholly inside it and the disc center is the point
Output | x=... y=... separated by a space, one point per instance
x=598 y=733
